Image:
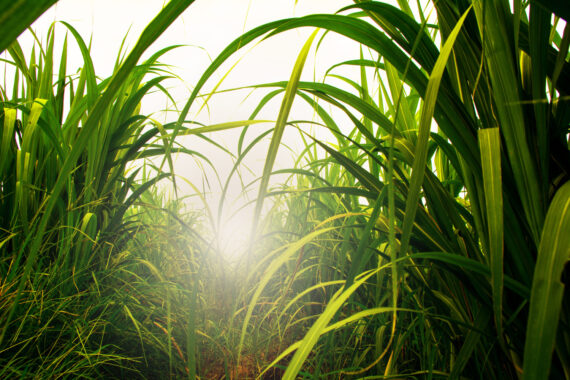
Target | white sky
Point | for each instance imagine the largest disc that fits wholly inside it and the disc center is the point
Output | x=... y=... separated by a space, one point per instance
x=207 y=27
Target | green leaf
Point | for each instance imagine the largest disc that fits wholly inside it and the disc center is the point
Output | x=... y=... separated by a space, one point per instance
x=6 y=139
x=503 y=70
x=366 y=179
x=539 y=32
x=319 y=327
x=364 y=252
x=420 y=155
x=547 y=289
x=470 y=343
x=274 y=265
x=490 y=146
x=17 y=15
x=288 y=97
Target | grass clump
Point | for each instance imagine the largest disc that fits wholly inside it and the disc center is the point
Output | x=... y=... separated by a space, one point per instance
x=79 y=298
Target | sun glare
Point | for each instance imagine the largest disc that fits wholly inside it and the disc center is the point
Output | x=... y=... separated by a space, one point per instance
x=233 y=236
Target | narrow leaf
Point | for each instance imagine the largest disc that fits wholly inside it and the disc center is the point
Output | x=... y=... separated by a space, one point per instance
x=420 y=156
x=490 y=146
x=547 y=289
x=290 y=93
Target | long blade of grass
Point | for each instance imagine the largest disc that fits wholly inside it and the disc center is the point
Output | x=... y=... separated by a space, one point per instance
x=7 y=136
x=363 y=252
x=288 y=97
x=318 y=328
x=92 y=90
x=220 y=127
x=547 y=289
x=539 y=32
x=474 y=266
x=503 y=72
x=469 y=344
x=268 y=276
x=366 y=179
x=490 y=145
x=420 y=155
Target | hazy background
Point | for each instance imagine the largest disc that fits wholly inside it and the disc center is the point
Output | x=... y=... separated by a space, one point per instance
x=205 y=29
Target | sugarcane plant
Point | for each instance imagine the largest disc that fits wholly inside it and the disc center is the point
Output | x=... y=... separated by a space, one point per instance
x=460 y=149
x=72 y=152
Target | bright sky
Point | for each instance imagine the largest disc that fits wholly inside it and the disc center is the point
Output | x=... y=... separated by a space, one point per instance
x=206 y=28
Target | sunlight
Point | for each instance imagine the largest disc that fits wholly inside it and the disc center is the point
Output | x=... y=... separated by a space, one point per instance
x=233 y=235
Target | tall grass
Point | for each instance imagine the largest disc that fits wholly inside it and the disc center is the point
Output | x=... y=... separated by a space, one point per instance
x=427 y=239
x=78 y=298
x=454 y=264
x=102 y=275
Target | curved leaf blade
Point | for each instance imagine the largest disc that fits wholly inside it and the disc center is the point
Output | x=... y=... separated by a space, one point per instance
x=547 y=289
